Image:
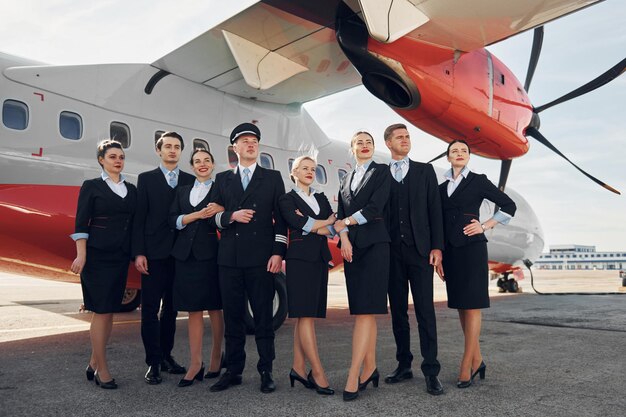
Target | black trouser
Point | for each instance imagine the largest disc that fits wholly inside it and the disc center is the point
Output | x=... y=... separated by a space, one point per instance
x=407 y=266
x=157 y=332
x=258 y=285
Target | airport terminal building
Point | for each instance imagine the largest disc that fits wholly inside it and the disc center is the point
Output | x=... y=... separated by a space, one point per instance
x=580 y=257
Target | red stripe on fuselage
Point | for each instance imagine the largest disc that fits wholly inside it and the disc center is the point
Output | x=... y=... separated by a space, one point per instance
x=35 y=224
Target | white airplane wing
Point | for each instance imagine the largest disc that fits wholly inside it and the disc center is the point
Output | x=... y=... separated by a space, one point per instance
x=285 y=51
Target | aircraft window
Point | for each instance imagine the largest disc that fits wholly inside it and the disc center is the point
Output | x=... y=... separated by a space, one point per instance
x=121 y=133
x=157 y=135
x=341 y=173
x=290 y=163
x=320 y=175
x=266 y=160
x=201 y=144
x=15 y=114
x=502 y=79
x=233 y=160
x=70 y=125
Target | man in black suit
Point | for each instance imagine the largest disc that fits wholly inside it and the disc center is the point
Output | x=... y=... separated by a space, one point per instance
x=251 y=249
x=414 y=220
x=152 y=242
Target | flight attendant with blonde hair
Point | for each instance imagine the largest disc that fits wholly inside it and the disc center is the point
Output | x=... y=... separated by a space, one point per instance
x=310 y=218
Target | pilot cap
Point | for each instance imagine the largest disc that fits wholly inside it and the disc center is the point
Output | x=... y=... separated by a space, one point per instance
x=245 y=129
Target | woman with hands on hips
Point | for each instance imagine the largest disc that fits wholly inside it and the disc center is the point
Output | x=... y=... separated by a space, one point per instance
x=364 y=243
x=102 y=234
x=310 y=219
x=465 y=259
x=196 y=282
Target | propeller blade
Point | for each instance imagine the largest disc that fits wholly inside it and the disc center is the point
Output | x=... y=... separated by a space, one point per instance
x=437 y=157
x=534 y=56
x=531 y=131
x=607 y=77
x=505 y=167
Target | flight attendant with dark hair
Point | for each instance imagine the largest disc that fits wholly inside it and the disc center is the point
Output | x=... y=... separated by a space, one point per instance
x=153 y=239
x=196 y=282
x=363 y=195
x=103 y=218
x=310 y=218
x=465 y=260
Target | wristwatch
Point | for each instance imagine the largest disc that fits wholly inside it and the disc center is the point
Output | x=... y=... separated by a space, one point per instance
x=483 y=226
x=347 y=221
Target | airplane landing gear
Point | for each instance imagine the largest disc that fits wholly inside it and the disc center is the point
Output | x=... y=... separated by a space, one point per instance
x=507 y=284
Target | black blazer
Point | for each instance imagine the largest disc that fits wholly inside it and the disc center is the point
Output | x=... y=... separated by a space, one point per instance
x=310 y=247
x=152 y=235
x=250 y=244
x=425 y=202
x=199 y=237
x=371 y=198
x=106 y=216
x=464 y=205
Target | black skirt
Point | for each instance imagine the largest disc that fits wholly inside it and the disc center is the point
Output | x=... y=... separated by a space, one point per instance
x=103 y=280
x=196 y=285
x=307 y=288
x=367 y=278
x=466 y=272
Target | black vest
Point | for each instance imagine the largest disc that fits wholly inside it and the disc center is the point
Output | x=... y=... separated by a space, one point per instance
x=401 y=231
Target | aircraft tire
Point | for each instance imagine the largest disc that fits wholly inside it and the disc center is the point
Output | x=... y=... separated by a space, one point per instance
x=280 y=305
x=131 y=300
x=512 y=286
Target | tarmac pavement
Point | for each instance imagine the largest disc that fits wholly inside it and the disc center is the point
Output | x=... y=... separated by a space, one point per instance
x=545 y=356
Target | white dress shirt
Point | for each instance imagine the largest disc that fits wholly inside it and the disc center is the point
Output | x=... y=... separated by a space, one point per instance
x=118 y=188
x=199 y=191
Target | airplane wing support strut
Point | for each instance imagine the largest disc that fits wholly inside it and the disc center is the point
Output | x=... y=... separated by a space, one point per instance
x=261 y=68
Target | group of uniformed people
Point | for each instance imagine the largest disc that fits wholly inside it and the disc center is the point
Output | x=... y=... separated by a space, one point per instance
x=395 y=225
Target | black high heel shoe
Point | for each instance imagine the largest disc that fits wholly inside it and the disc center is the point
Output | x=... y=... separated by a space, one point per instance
x=90 y=372
x=217 y=373
x=374 y=377
x=293 y=376
x=482 y=369
x=187 y=382
x=106 y=385
x=350 y=396
x=320 y=390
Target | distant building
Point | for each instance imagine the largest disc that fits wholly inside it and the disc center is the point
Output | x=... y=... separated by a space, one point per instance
x=580 y=257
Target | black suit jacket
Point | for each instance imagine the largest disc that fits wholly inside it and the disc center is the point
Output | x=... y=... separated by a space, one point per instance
x=425 y=202
x=371 y=198
x=199 y=237
x=244 y=245
x=307 y=247
x=464 y=205
x=106 y=216
x=152 y=235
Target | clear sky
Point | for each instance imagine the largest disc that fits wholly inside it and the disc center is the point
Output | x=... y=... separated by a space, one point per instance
x=591 y=130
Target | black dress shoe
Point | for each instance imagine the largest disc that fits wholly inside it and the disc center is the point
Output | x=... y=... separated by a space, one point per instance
x=481 y=370
x=433 y=385
x=374 y=377
x=153 y=376
x=320 y=390
x=105 y=385
x=350 y=396
x=217 y=373
x=89 y=372
x=227 y=379
x=267 y=382
x=170 y=365
x=294 y=376
x=398 y=375
x=198 y=377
